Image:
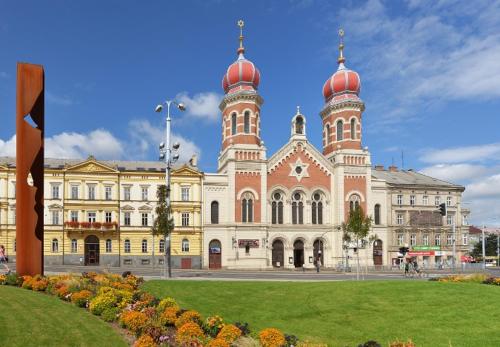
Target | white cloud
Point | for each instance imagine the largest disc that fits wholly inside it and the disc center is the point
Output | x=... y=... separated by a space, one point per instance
x=463 y=154
x=202 y=105
x=58 y=100
x=100 y=143
x=424 y=53
x=455 y=172
x=146 y=136
x=8 y=148
x=485 y=188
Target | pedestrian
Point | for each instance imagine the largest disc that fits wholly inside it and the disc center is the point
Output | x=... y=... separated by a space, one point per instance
x=3 y=259
x=318 y=263
x=407 y=267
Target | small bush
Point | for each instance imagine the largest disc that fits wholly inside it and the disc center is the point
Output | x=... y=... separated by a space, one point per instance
x=169 y=316
x=134 y=321
x=213 y=325
x=145 y=341
x=81 y=298
x=3 y=279
x=245 y=330
x=166 y=303
x=229 y=333
x=102 y=302
x=272 y=337
x=291 y=340
x=13 y=279
x=39 y=283
x=110 y=314
x=189 y=333
x=398 y=343
x=188 y=316
x=27 y=282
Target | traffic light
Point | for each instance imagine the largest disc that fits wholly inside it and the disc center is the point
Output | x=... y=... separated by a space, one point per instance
x=442 y=209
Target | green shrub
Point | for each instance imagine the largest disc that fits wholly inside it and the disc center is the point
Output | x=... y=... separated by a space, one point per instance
x=165 y=303
x=102 y=302
x=110 y=314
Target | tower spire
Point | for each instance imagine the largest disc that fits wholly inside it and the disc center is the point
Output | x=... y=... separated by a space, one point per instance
x=341 y=58
x=241 y=49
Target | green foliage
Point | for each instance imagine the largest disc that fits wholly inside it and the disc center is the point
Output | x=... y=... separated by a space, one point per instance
x=490 y=247
x=102 y=302
x=164 y=223
x=110 y=314
x=13 y=279
x=357 y=226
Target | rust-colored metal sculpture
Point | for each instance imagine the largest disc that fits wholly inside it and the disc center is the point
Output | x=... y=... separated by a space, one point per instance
x=29 y=169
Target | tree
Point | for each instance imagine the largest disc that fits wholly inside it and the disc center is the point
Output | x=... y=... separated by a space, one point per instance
x=490 y=244
x=164 y=223
x=356 y=230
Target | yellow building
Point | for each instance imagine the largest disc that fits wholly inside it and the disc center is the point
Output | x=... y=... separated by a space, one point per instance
x=102 y=212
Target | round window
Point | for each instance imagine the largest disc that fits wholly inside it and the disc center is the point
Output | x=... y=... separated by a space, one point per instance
x=298 y=169
x=277 y=196
x=296 y=196
x=317 y=196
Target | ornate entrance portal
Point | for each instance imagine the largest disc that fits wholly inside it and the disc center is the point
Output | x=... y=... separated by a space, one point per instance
x=92 y=250
x=298 y=253
x=278 y=254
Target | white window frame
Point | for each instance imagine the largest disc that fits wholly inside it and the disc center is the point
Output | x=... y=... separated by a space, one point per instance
x=126 y=246
x=108 y=217
x=144 y=193
x=91 y=192
x=55 y=191
x=126 y=193
x=75 y=192
x=144 y=246
x=449 y=239
x=144 y=219
x=185 y=193
x=465 y=239
x=55 y=246
x=425 y=239
x=74 y=246
x=413 y=200
x=74 y=216
x=55 y=217
x=108 y=192
x=413 y=239
x=448 y=201
x=400 y=219
x=127 y=218
x=185 y=245
x=185 y=219
x=425 y=200
x=109 y=246
x=437 y=239
x=437 y=200
x=449 y=218
x=91 y=216
x=399 y=199
x=401 y=239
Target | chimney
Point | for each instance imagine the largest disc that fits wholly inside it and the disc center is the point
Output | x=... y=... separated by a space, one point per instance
x=393 y=168
x=379 y=167
x=194 y=160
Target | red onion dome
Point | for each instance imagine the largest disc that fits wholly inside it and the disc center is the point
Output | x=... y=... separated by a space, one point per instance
x=241 y=75
x=342 y=81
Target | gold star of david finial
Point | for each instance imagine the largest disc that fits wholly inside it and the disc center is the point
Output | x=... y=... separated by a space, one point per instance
x=341 y=58
x=241 y=24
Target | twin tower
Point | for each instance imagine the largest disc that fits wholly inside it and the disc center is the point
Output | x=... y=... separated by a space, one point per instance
x=242 y=103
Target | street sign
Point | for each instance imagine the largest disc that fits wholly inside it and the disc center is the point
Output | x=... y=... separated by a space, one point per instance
x=417 y=253
x=426 y=248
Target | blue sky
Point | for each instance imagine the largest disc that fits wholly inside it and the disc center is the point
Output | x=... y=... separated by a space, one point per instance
x=430 y=74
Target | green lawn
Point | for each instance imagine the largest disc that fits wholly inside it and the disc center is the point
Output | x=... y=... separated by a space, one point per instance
x=348 y=313
x=34 y=319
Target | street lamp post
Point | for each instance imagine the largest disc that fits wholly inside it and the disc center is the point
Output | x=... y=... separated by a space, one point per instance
x=166 y=154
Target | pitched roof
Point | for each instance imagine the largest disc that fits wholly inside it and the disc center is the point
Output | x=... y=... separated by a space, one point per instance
x=411 y=178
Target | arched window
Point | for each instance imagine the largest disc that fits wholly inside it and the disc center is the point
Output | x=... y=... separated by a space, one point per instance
x=246 y=120
x=328 y=134
x=247 y=208
x=109 y=247
x=353 y=129
x=340 y=130
x=354 y=201
x=161 y=246
x=297 y=209
x=277 y=208
x=377 y=214
x=233 y=124
x=214 y=212
x=299 y=125
x=144 y=246
x=317 y=209
x=55 y=246
x=126 y=246
x=185 y=245
x=74 y=246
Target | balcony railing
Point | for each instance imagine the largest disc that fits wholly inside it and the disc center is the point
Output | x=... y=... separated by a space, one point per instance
x=91 y=225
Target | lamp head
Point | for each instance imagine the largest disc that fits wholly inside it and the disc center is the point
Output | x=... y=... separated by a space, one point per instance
x=176 y=145
x=162 y=156
x=181 y=106
x=162 y=145
x=159 y=108
x=175 y=157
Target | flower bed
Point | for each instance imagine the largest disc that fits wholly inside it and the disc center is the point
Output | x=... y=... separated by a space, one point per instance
x=154 y=322
x=472 y=278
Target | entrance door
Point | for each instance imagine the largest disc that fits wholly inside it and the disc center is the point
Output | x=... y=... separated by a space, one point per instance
x=278 y=254
x=298 y=253
x=318 y=251
x=377 y=253
x=214 y=255
x=92 y=250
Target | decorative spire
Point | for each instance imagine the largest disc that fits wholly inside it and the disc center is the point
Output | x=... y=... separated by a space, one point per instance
x=298 y=109
x=241 y=49
x=341 y=58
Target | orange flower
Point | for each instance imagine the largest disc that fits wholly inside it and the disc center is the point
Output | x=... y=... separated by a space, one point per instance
x=134 y=321
x=189 y=333
x=169 y=316
x=218 y=342
x=272 y=337
x=188 y=316
x=229 y=333
x=145 y=341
